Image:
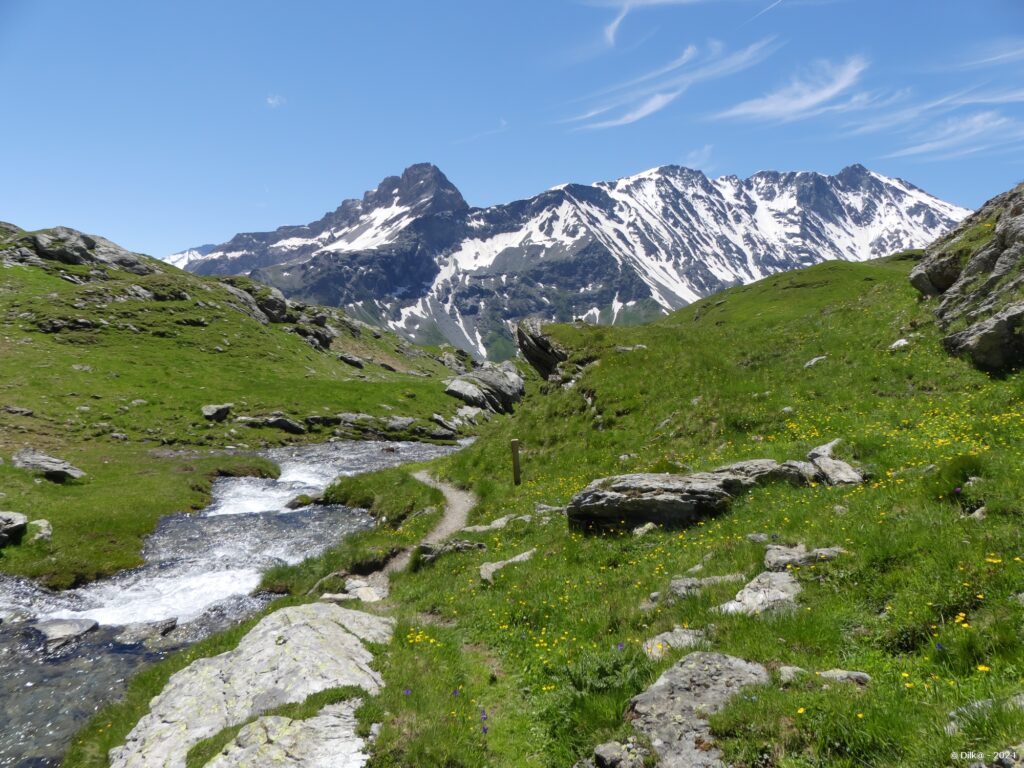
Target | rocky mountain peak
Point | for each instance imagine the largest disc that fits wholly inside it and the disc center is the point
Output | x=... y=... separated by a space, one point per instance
x=422 y=187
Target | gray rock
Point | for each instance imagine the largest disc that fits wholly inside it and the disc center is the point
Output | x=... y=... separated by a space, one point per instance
x=769 y=591
x=59 y=632
x=136 y=634
x=779 y=557
x=41 y=530
x=431 y=552
x=327 y=740
x=689 y=585
x=15 y=410
x=787 y=674
x=288 y=656
x=758 y=538
x=55 y=470
x=671 y=500
x=69 y=246
x=815 y=360
x=643 y=530
x=615 y=755
x=217 y=412
x=353 y=360
x=285 y=424
x=497 y=524
x=399 y=423
x=493 y=387
x=673 y=712
x=12 y=527
x=898 y=345
x=369 y=589
x=674 y=639
x=980 y=708
x=834 y=471
x=541 y=351
x=846 y=676
x=487 y=570
x=246 y=304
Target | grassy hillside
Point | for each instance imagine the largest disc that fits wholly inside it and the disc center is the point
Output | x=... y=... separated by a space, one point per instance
x=115 y=368
x=922 y=600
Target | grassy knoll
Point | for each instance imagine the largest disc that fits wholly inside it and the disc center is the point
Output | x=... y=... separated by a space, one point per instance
x=135 y=360
x=922 y=600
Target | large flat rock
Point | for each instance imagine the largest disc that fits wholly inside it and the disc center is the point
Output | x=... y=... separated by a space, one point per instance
x=328 y=740
x=288 y=656
x=673 y=712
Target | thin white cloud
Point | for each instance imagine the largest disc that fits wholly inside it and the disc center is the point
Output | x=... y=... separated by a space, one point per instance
x=276 y=100
x=765 y=10
x=502 y=127
x=625 y=7
x=699 y=158
x=967 y=135
x=994 y=53
x=908 y=116
x=803 y=97
x=652 y=92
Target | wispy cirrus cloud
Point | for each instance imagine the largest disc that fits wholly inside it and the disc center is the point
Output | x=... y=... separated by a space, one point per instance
x=276 y=100
x=964 y=135
x=625 y=7
x=502 y=127
x=640 y=97
x=699 y=158
x=993 y=53
x=807 y=95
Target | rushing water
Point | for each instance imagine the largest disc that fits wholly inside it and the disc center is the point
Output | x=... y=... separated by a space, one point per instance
x=199 y=569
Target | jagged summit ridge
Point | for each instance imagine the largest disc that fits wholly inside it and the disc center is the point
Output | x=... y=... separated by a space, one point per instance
x=414 y=256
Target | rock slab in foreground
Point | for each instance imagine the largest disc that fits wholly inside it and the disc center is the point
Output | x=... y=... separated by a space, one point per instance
x=12 y=527
x=672 y=712
x=487 y=570
x=288 y=656
x=492 y=387
x=327 y=740
x=769 y=591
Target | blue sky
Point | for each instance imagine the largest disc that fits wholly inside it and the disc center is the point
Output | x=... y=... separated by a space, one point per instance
x=164 y=125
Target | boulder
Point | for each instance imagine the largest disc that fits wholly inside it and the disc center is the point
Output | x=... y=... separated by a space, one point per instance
x=673 y=712
x=487 y=570
x=326 y=740
x=136 y=634
x=676 y=638
x=59 y=632
x=69 y=246
x=353 y=360
x=246 y=304
x=689 y=585
x=834 y=471
x=815 y=360
x=285 y=424
x=12 y=527
x=272 y=303
x=787 y=674
x=217 y=412
x=493 y=387
x=287 y=657
x=778 y=557
x=977 y=272
x=769 y=591
x=671 y=500
x=846 y=676
x=55 y=470
x=15 y=410
x=541 y=351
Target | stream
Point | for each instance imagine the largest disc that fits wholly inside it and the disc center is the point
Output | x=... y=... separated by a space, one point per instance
x=201 y=570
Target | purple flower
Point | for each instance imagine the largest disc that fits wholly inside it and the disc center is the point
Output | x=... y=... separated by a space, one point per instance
x=455 y=692
x=940 y=647
x=621 y=646
x=407 y=692
x=958 y=489
x=484 y=729
x=483 y=715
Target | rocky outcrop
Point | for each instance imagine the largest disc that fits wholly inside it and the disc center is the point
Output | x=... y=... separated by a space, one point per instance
x=69 y=246
x=675 y=638
x=12 y=527
x=673 y=712
x=217 y=412
x=288 y=656
x=541 y=351
x=328 y=740
x=978 y=271
x=672 y=500
x=53 y=469
x=431 y=552
x=832 y=470
x=494 y=387
x=778 y=557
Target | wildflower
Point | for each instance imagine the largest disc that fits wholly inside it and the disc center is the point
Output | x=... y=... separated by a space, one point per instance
x=407 y=692
x=621 y=646
x=801 y=711
x=860 y=715
x=984 y=668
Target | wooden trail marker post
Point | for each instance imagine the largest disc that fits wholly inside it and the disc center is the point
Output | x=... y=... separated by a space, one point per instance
x=517 y=476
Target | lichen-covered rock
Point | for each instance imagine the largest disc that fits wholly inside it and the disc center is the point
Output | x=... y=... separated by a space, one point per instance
x=769 y=591
x=673 y=712
x=492 y=387
x=778 y=557
x=288 y=656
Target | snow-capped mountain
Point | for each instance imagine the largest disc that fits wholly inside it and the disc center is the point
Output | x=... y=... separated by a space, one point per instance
x=414 y=256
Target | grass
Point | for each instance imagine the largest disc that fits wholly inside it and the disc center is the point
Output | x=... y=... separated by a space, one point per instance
x=134 y=377
x=922 y=600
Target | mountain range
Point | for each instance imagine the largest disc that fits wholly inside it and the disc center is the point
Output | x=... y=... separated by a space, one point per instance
x=414 y=256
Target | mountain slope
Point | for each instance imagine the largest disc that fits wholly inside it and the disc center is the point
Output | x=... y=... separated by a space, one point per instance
x=415 y=257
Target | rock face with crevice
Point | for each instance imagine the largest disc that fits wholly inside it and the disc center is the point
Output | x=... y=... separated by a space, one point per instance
x=492 y=387
x=978 y=271
x=673 y=712
x=288 y=656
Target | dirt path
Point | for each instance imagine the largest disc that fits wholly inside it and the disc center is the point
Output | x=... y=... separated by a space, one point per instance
x=458 y=503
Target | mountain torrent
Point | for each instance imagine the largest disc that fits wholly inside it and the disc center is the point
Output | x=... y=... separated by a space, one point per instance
x=415 y=257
